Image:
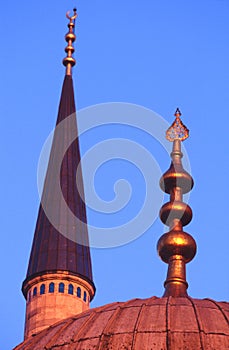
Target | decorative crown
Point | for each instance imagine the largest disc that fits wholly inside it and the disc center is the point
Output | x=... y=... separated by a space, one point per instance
x=177 y=131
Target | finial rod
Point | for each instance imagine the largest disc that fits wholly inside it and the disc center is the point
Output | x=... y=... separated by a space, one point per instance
x=176 y=247
x=70 y=37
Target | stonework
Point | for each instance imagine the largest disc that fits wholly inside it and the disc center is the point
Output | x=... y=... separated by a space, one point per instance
x=53 y=297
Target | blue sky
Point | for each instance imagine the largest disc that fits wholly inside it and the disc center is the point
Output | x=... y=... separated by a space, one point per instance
x=159 y=55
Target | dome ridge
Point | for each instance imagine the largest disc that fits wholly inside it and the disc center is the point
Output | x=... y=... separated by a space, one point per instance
x=153 y=323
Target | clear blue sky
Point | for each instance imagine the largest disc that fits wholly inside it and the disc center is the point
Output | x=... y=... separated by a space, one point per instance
x=157 y=54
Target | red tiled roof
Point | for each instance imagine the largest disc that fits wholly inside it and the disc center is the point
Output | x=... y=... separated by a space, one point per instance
x=141 y=324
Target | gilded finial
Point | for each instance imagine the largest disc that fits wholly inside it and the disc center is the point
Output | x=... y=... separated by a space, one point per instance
x=70 y=37
x=177 y=131
x=176 y=247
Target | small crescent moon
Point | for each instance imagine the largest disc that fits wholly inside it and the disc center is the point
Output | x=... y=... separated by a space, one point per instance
x=71 y=18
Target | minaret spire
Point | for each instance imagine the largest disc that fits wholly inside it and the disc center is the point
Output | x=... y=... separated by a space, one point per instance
x=59 y=280
x=176 y=247
x=70 y=37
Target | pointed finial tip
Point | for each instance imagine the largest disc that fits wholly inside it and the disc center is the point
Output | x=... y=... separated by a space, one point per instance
x=177 y=113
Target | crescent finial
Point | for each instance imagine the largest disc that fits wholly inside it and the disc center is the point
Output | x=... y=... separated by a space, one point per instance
x=74 y=16
x=70 y=37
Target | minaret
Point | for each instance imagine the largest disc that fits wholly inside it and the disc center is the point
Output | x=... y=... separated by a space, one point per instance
x=59 y=280
x=176 y=247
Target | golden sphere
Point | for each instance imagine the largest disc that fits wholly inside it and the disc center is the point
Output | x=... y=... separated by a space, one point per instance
x=176 y=243
x=69 y=48
x=68 y=60
x=70 y=36
x=176 y=210
x=174 y=177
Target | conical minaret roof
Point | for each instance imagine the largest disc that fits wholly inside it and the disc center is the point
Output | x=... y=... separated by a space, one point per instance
x=61 y=238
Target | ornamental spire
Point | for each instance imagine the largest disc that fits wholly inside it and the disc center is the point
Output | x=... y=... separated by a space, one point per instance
x=59 y=280
x=177 y=130
x=176 y=247
x=70 y=37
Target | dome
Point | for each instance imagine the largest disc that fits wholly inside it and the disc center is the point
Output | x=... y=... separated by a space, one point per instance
x=140 y=324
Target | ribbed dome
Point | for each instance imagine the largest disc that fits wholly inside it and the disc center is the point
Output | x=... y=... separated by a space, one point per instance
x=141 y=324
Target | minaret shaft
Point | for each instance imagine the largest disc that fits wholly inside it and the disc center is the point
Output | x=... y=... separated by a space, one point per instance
x=59 y=280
